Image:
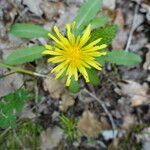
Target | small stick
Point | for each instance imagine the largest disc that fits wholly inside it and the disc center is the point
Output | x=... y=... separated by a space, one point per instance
x=133 y=26
x=104 y=107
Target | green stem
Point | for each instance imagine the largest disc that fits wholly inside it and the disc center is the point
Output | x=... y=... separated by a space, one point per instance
x=17 y=69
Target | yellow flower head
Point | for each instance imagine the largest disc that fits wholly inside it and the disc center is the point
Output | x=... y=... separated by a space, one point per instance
x=73 y=54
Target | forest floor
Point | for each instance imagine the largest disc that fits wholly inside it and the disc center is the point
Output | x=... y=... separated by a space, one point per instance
x=113 y=115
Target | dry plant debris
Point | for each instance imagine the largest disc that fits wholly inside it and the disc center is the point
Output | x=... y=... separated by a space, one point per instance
x=34 y=6
x=57 y=90
x=146 y=65
x=120 y=40
x=67 y=101
x=8 y=84
x=128 y=122
x=134 y=91
x=54 y=87
x=88 y=125
x=50 y=138
x=137 y=93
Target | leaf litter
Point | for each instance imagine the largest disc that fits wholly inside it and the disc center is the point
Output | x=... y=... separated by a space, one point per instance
x=132 y=95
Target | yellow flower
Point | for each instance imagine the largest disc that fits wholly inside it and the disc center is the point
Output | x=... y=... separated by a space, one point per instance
x=73 y=54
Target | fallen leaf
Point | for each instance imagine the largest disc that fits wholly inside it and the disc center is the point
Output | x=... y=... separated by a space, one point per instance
x=88 y=125
x=114 y=144
x=10 y=84
x=120 y=40
x=109 y=4
x=54 y=87
x=139 y=19
x=34 y=6
x=137 y=93
x=50 y=138
x=146 y=65
x=128 y=122
x=146 y=9
x=67 y=16
x=144 y=138
x=51 y=9
x=27 y=113
x=67 y=101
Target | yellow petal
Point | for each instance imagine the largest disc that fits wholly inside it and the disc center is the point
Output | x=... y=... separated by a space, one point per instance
x=56 y=59
x=70 y=36
x=95 y=64
x=60 y=66
x=60 y=36
x=56 y=41
x=84 y=73
x=48 y=46
x=68 y=81
x=50 y=52
x=85 y=36
x=73 y=25
x=60 y=72
x=91 y=44
x=95 y=48
x=103 y=53
x=103 y=46
x=95 y=54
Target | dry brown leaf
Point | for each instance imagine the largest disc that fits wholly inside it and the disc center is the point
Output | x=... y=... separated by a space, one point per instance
x=27 y=113
x=67 y=101
x=138 y=93
x=10 y=83
x=67 y=15
x=122 y=36
x=146 y=9
x=114 y=144
x=52 y=9
x=109 y=4
x=144 y=138
x=50 y=138
x=146 y=65
x=128 y=122
x=88 y=125
x=34 y=6
x=54 y=87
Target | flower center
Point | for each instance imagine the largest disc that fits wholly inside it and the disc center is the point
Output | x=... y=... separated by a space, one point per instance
x=74 y=54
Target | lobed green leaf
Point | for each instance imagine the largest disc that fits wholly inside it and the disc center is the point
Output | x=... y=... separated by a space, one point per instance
x=107 y=34
x=10 y=106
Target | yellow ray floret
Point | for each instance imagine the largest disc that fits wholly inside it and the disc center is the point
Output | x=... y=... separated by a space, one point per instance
x=72 y=54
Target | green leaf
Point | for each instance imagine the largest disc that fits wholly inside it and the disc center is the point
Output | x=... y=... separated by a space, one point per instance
x=87 y=12
x=7 y=121
x=94 y=79
x=106 y=33
x=74 y=86
x=101 y=59
x=10 y=106
x=121 y=57
x=99 y=22
x=17 y=99
x=24 y=55
x=28 y=31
